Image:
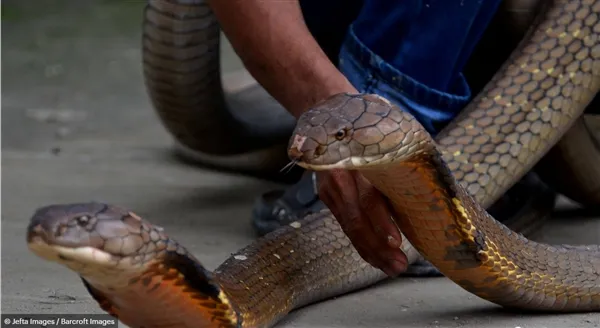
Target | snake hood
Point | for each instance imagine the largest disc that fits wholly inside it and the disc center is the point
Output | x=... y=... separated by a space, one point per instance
x=349 y=130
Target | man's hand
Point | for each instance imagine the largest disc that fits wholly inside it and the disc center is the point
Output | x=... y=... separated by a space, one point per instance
x=364 y=215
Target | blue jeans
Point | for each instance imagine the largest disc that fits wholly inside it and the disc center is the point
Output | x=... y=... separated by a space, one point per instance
x=411 y=52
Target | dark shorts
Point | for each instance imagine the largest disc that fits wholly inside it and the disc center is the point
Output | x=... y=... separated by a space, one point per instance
x=411 y=52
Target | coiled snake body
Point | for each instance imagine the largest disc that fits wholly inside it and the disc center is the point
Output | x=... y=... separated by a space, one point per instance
x=438 y=190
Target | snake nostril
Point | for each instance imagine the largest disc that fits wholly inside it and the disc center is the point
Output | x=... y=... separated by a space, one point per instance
x=320 y=150
x=36 y=231
x=295 y=153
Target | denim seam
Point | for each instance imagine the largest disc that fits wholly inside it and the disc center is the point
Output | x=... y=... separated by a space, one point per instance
x=416 y=91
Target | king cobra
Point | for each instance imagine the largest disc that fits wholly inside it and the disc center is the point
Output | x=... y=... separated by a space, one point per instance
x=438 y=190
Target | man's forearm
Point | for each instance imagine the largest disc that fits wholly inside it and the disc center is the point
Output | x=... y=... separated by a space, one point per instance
x=276 y=47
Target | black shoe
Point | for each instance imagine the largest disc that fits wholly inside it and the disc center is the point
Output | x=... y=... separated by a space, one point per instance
x=277 y=208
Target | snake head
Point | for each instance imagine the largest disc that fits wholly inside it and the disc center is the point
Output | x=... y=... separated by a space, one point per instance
x=354 y=130
x=92 y=234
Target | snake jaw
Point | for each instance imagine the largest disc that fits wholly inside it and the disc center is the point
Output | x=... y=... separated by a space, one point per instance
x=366 y=162
x=92 y=264
x=85 y=255
x=349 y=163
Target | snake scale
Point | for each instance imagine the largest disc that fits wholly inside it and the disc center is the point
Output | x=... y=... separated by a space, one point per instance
x=438 y=190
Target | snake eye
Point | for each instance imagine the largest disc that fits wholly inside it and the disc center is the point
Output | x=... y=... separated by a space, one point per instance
x=341 y=134
x=83 y=219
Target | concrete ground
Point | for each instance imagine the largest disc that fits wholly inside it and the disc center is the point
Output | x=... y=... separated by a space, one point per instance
x=77 y=126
